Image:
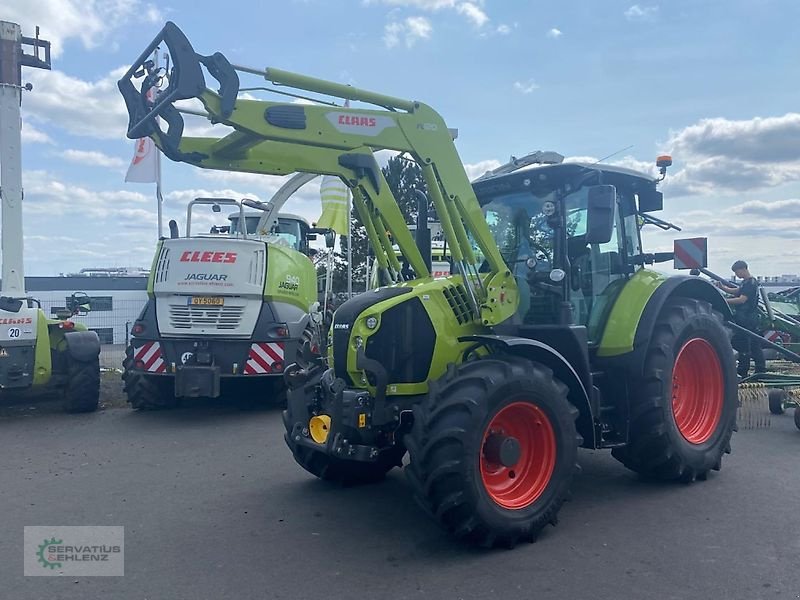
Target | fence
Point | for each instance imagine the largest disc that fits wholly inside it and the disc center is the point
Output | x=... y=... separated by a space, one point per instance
x=111 y=317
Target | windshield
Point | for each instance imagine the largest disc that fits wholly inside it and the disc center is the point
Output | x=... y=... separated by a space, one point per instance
x=250 y=222
x=519 y=223
x=287 y=232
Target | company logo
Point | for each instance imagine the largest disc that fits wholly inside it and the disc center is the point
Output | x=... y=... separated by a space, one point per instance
x=52 y=553
x=358 y=121
x=186 y=357
x=208 y=257
x=205 y=277
x=341 y=325
x=291 y=283
x=70 y=551
x=359 y=124
x=17 y=321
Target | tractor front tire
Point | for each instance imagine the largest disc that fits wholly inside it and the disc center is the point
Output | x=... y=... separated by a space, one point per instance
x=337 y=470
x=146 y=392
x=776 y=399
x=683 y=405
x=82 y=390
x=493 y=450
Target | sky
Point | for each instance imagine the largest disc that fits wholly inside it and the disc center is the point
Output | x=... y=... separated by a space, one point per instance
x=714 y=83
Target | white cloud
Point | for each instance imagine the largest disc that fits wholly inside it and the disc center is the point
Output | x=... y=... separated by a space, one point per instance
x=408 y=31
x=473 y=13
x=503 y=29
x=725 y=156
x=526 y=87
x=639 y=12
x=31 y=135
x=430 y=5
x=92 y=158
x=90 y=21
x=477 y=169
x=554 y=33
x=89 y=108
x=770 y=139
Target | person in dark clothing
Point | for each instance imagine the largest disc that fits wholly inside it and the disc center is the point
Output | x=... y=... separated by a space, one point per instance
x=744 y=300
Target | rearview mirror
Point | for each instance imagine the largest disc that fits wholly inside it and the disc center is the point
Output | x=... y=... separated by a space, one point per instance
x=650 y=201
x=602 y=201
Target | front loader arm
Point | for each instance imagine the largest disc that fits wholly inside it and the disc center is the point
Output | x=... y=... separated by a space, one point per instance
x=282 y=138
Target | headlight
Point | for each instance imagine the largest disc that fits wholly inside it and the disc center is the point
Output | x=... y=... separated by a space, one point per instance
x=372 y=322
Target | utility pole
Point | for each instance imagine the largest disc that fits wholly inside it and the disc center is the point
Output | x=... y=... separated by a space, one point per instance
x=12 y=59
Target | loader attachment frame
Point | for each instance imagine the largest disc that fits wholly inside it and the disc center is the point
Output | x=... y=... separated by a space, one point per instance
x=282 y=138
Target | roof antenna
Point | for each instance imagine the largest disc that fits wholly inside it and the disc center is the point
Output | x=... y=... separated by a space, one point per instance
x=610 y=155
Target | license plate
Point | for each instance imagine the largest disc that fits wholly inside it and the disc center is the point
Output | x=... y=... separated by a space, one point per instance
x=206 y=301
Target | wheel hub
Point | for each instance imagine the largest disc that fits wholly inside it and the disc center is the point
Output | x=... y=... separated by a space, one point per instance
x=502 y=450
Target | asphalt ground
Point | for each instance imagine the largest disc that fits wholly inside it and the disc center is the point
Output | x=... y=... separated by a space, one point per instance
x=214 y=507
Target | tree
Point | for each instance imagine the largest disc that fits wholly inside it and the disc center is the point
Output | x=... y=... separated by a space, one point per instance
x=403 y=176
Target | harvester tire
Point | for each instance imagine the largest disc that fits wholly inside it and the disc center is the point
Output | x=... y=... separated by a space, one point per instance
x=493 y=450
x=343 y=472
x=82 y=391
x=776 y=398
x=146 y=392
x=683 y=405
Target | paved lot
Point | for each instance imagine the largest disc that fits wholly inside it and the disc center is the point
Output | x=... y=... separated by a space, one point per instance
x=214 y=507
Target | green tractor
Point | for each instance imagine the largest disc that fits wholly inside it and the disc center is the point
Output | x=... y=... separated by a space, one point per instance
x=35 y=352
x=551 y=334
x=41 y=353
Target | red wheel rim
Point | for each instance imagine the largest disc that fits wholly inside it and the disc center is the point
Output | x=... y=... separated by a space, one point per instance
x=697 y=391
x=520 y=485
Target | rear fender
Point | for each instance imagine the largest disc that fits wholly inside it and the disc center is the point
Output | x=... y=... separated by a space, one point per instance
x=83 y=346
x=680 y=286
x=548 y=356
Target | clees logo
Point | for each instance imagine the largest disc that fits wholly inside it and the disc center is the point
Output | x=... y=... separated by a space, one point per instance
x=341 y=325
x=208 y=257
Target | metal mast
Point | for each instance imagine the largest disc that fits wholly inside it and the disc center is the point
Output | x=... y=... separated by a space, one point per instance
x=12 y=59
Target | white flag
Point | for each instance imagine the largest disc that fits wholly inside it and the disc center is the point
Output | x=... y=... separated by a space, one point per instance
x=144 y=165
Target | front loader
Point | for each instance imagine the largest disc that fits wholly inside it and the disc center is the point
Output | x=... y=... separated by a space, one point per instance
x=550 y=333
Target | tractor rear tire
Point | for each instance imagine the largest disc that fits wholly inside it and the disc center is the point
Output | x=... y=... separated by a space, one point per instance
x=493 y=450
x=82 y=391
x=343 y=472
x=683 y=405
x=776 y=398
x=146 y=392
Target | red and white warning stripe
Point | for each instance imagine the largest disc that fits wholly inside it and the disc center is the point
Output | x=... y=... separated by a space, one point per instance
x=263 y=357
x=148 y=358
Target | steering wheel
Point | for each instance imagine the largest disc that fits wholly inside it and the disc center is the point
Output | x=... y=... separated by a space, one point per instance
x=539 y=249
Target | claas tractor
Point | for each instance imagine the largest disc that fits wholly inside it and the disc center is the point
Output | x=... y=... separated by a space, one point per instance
x=36 y=351
x=550 y=334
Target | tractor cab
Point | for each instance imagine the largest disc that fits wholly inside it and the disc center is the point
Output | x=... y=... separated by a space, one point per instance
x=570 y=234
x=291 y=231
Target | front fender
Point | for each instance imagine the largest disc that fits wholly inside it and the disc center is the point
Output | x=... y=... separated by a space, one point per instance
x=563 y=370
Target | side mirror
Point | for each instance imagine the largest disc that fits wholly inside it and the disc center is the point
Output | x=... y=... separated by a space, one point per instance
x=330 y=239
x=650 y=201
x=602 y=202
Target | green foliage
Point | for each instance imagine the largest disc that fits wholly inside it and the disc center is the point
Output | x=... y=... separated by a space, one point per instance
x=403 y=176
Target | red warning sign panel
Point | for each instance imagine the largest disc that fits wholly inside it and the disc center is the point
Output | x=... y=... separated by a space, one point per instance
x=691 y=253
